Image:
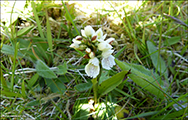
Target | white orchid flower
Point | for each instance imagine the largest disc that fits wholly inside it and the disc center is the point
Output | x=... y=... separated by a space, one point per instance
x=92 y=69
x=88 y=31
x=104 y=46
x=108 y=63
x=100 y=36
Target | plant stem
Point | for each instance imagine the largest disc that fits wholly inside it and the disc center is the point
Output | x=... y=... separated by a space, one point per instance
x=95 y=87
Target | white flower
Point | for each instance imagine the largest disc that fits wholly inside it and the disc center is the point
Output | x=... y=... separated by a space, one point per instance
x=110 y=40
x=75 y=44
x=88 y=31
x=107 y=53
x=104 y=46
x=100 y=36
x=108 y=62
x=92 y=69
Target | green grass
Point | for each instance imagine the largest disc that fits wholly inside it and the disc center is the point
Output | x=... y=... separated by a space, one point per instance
x=42 y=77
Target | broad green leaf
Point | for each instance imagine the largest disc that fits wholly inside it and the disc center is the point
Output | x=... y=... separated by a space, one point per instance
x=44 y=71
x=56 y=85
x=23 y=89
x=62 y=69
x=9 y=50
x=142 y=77
x=172 y=40
x=32 y=81
x=111 y=83
x=103 y=76
x=83 y=86
x=157 y=60
x=23 y=31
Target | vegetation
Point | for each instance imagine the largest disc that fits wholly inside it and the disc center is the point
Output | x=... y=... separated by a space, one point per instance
x=42 y=77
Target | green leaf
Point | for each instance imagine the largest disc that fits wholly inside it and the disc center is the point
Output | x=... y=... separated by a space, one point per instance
x=11 y=94
x=62 y=69
x=23 y=31
x=143 y=114
x=9 y=50
x=172 y=40
x=37 y=19
x=111 y=83
x=49 y=34
x=120 y=51
x=157 y=60
x=44 y=71
x=173 y=114
x=32 y=81
x=35 y=103
x=23 y=89
x=3 y=82
x=83 y=86
x=142 y=77
x=56 y=85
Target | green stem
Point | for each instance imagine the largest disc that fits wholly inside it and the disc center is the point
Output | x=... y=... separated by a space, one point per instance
x=95 y=87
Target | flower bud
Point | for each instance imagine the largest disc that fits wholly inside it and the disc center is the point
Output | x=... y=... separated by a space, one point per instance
x=94 y=38
x=92 y=55
x=110 y=40
x=78 y=38
x=88 y=50
x=86 y=56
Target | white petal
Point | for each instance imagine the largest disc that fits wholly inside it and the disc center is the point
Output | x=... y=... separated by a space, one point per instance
x=110 y=40
x=83 y=33
x=108 y=62
x=107 y=53
x=91 y=55
x=92 y=69
x=99 y=33
x=76 y=41
x=74 y=45
x=104 y=46
x=89 y=31
x=94 y=61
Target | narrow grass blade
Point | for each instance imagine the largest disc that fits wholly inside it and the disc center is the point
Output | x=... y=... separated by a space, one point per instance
x=37 y=19
x=23 y=89
x=70 y=18
x=49 y=34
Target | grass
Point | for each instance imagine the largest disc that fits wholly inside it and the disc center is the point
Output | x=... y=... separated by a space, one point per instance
x=43 y=78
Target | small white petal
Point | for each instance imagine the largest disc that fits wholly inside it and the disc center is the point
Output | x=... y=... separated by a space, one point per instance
x=108 y=63
x=83 y=33
x=92 y=69
x=99 y=33
x=107 y=53
x=110 y=40
x=91 y=55
x=74 y=45
x=76 y=41
x=104 y=46
x=89 y=31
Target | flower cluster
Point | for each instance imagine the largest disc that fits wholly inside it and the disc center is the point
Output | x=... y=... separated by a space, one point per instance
x=96 y=47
